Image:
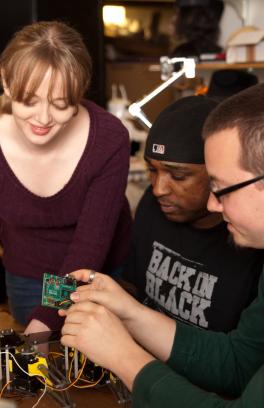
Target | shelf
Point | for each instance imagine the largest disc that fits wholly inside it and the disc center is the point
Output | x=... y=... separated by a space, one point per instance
x=201 y=66
x=211 y=66
x=224 y=65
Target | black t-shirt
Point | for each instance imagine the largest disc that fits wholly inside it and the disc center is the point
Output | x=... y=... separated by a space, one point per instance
x=196 y=275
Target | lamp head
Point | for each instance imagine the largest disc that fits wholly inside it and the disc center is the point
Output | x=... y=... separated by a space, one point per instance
x=189 y=66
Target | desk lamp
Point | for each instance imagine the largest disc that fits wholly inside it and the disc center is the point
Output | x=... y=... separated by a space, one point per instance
x=169 y=76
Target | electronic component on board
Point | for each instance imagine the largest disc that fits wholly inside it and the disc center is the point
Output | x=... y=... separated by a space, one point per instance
x=56 y=291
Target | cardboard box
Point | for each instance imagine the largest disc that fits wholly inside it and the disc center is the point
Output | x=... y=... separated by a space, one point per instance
x=246 y=46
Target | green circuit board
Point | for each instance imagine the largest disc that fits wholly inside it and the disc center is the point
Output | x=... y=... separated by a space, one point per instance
x=56 y=291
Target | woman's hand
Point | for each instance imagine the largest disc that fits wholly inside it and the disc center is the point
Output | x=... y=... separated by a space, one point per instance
x=105 y=291
x=101 y=336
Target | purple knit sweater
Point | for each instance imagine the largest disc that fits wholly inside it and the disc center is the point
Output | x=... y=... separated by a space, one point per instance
x=75 y=227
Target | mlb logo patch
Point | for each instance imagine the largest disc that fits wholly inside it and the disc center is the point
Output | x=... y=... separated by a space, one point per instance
x=157 y=148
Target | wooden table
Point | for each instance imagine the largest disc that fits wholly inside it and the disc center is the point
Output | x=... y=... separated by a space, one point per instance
x=101 y=397
x=96 y=398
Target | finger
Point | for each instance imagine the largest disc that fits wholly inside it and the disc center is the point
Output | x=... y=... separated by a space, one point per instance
x=82 y=275
x=97 y=280
x=85 y=308
x=62 y=312
x=84 y=294
x=68 y=340
x=95 y=286
x=90 y=295
x=70 y=328
x=77 y=316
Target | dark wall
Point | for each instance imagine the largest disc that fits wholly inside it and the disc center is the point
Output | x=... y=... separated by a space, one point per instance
x=14 y=15
x=84 y=15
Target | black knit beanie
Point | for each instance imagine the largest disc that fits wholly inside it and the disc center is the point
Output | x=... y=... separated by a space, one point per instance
x=176 y=135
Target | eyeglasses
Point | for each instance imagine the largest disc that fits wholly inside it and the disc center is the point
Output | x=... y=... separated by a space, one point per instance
x=234 y=187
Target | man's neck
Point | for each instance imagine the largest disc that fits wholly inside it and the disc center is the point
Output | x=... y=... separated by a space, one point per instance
x=210 y=220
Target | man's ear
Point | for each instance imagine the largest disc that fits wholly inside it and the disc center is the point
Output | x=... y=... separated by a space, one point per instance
x=5 y=87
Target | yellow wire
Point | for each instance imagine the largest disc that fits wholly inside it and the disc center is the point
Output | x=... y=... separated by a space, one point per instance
x=92 y=384
x=86 y=381
x=4 y=387
x=64 y=301
x=71 y=364
x=78 y=378
x=112 y=377
x=71 y=384
x=54 y=353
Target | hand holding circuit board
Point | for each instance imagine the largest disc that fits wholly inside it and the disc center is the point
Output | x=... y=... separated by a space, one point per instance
x=56 y=291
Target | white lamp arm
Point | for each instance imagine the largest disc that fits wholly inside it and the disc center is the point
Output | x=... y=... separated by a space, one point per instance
x=167 y=66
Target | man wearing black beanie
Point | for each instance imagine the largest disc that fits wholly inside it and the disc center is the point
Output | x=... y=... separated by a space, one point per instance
x=182 y=262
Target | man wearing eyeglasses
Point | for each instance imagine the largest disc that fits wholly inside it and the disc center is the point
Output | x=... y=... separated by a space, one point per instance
x=238 y=201
x=183 y=263
x=167 y=363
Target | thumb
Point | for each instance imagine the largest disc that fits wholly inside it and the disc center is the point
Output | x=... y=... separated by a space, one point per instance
x=96 y=296
x=82 y=275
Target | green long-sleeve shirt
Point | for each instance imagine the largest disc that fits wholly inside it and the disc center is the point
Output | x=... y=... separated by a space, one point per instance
x=231 y=364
